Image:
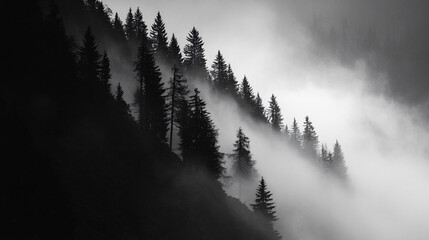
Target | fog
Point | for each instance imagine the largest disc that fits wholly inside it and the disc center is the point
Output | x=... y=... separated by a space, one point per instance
x=385 y=138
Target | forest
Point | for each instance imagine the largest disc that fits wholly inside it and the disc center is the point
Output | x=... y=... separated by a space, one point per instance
x=85 y=161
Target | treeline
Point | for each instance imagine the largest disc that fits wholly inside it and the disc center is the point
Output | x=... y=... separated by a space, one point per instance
x=95 y=169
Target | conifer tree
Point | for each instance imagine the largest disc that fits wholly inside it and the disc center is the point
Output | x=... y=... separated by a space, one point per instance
x=259 y=109
x=140 y=27
x=130 y=30
x=338 y=165
x=324 y=157
x=122 y=106
x=295 y=135
x=195 y=61
x=159 y=39
x=89 y=66
x=231 y=86
x=274 y=114
x=174 y=54
x=219 y=73
x=201 y=149
x=118 y=26
x=178 y=92
x=310 y=140
x=105 y=75
x=152 y=107
x=264 y=205
x=246 y=93
x=243 y=164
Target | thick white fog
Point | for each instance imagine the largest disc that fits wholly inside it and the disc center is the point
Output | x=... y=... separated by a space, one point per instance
x=386 y=144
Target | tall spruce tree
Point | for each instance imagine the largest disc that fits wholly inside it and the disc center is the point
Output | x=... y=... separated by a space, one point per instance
x=118 y=26
x=274 y=114
x=231 y=86
x=130 y=30
x=139 y=25
x=259 y=110
x=158 y=36
x=105 y=74
x=338 y=165
x=219 y=72
x=122 y=106
x=174 y=54
x=264 y=205
x=324 y=157
x=243 y=164
x=295 y=135
x=201 y=149
x=152 y=106
x=195 y=61
x=178 y=92
x=310 y=140
x=89 y=67
x=246 y=93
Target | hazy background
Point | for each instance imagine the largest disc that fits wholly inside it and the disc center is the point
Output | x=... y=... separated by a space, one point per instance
x=370 y=96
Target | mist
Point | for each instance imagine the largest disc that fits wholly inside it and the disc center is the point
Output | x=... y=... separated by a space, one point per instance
x=379 y=123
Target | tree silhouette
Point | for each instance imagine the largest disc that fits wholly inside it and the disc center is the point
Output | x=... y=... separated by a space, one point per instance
x=152 y=107
x=195 y=61
x=338 y=165
x=177 y=94
x=310 y=140
x=295 y=135
x=105 y=75
x=89 y=67
x=118 y=26
x=159 y=39
x=202 y=149
x=264 y=205
x=174 y=54
x=231 y=86
x=243 y=164
x=274 y=114
x=130 y=29
x=259 y=110
x=123 y=107
x=219 y=73
x=246 y=94
x=139 y=25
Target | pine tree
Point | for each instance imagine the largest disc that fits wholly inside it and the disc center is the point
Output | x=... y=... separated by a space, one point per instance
x=274 y=114
x=338 y=165
x=174 y=54
x=264 y=205
x=118 y=26
x=178 y=92
x=159 y=39
x=219 y=73
x=243 y=164
x=310 y=140
x=286 y=133
x=89 y=66
x=201 y=148
x=105 y=75
x=152 y=106
x=139 y=25
x=195 y=61
x=130 y=30
x=295 y=135
x=231 y=86
x=122 y=106
x=246 y=93
x=324 y=157
x=259 y=110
